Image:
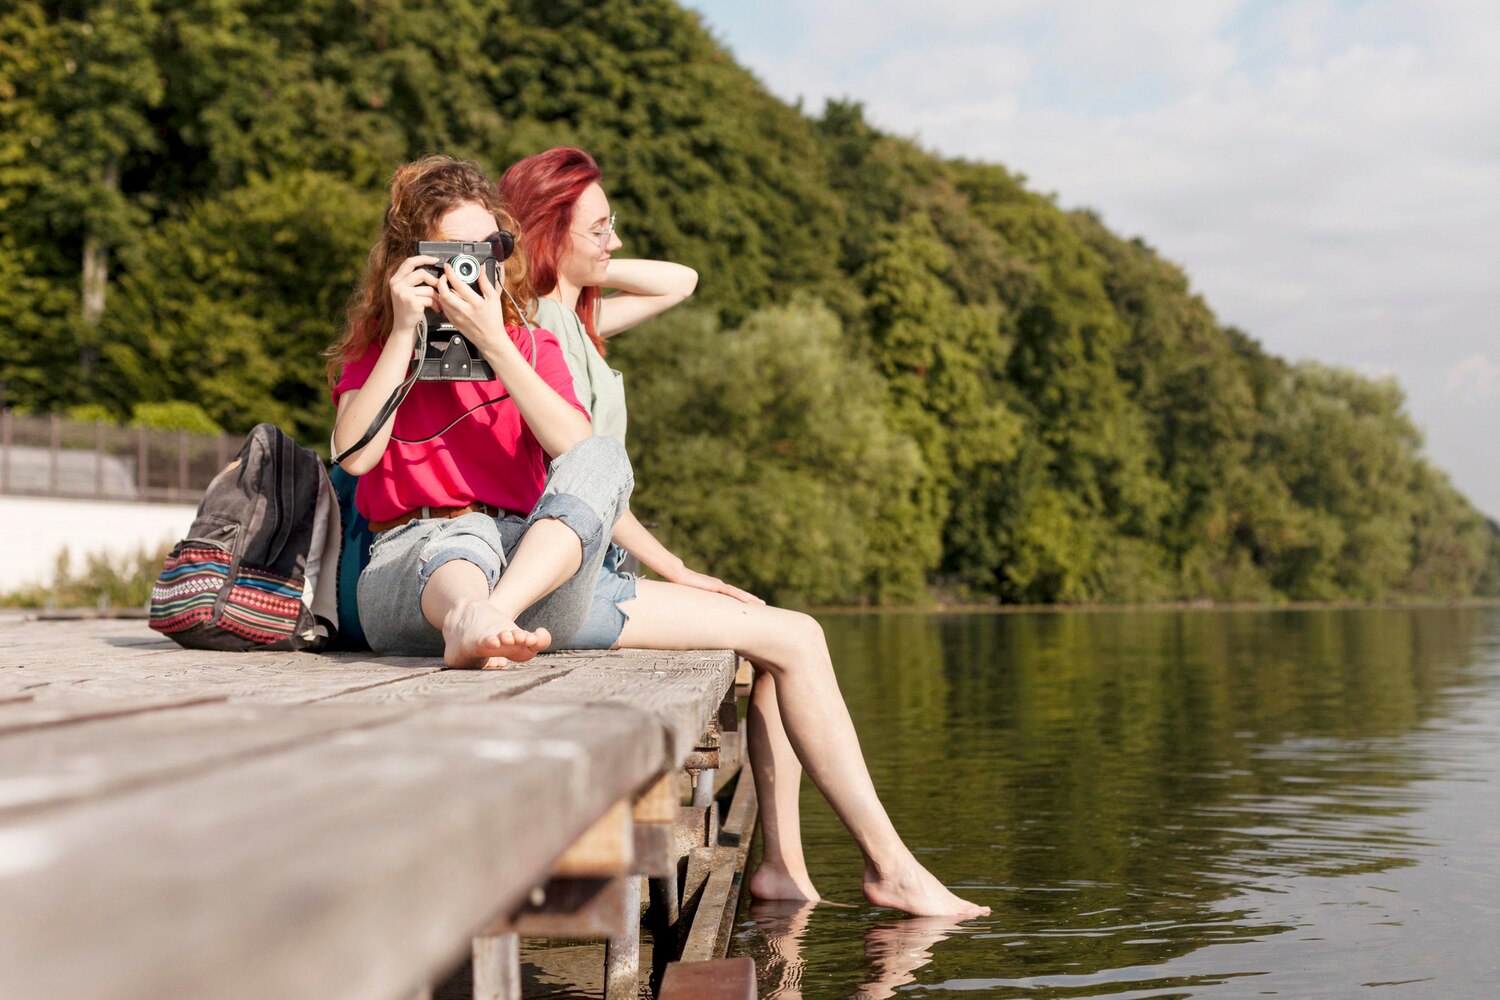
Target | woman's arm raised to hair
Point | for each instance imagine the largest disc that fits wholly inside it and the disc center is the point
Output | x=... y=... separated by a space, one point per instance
x=634 y=537
x=644 y=288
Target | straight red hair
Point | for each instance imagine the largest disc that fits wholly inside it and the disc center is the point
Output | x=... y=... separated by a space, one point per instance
x=541 y=192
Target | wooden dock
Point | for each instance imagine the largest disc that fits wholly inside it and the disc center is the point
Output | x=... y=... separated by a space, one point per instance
x=177 y=823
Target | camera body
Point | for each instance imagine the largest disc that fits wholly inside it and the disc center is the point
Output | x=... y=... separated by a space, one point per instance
x=450 y=357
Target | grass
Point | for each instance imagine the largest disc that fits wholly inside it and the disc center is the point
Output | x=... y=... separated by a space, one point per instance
x=106 y=581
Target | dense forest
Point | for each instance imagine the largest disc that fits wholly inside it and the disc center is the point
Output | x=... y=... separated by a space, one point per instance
x=901 y=375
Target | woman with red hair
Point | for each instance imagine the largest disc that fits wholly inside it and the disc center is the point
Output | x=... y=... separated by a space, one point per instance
x=797 y=715
x=569 y=232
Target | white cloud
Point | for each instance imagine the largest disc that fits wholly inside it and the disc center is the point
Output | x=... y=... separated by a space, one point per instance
x=1472 y=379
x=1328 y=173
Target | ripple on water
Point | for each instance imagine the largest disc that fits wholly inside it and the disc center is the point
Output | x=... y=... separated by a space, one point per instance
x=1167 y=804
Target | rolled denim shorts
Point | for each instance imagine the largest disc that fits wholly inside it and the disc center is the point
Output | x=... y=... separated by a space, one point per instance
x=606 y=620
x=588 y=489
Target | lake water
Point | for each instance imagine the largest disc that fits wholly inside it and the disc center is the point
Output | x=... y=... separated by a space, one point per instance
x=1166 y=804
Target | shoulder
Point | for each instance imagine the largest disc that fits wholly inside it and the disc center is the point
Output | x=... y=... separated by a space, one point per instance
x=556 y=317
x=355 y=372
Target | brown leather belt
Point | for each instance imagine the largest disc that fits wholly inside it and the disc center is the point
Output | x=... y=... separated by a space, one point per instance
x=441 y=513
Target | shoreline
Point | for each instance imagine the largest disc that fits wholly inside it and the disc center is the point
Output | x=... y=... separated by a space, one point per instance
x=971 y=608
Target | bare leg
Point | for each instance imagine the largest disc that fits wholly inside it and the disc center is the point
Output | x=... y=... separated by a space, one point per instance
x=792 y=648
x=778 y=781
x=479 y=627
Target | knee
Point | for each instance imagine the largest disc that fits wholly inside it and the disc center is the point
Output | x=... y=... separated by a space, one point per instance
x=604 y=457
x=802 y=645
x=600 y=451
x=807 y=632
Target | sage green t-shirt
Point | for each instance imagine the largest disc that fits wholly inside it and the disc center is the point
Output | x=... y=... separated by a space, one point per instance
x=598 y=387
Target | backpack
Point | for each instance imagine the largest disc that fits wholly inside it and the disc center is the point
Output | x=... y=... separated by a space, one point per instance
x=265 y=536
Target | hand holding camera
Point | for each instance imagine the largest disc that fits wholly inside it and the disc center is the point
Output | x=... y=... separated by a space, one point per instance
x=465 y=319
x=413 y=293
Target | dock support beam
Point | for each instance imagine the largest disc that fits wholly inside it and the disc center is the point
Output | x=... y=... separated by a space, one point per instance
x=497 y=967
x=622 y=952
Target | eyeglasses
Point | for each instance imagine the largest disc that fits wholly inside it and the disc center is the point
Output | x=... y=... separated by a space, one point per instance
x=601 y=239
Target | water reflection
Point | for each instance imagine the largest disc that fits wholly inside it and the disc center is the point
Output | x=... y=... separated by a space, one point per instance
x=1130 y=792
x=894 y=950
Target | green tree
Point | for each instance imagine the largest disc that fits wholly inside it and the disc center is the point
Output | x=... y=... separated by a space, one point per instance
x=765 y=453
x=941 y=376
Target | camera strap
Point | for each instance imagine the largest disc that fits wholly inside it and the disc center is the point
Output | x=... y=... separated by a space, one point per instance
x=396 y=398
x=413 y=372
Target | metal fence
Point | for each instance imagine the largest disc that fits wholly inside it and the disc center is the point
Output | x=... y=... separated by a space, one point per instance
x=49 y=456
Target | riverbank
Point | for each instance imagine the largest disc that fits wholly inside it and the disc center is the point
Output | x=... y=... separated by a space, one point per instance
x=941 y=608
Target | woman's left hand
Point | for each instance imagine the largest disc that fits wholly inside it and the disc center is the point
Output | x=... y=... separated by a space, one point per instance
x=702 y=581
x=480 y=315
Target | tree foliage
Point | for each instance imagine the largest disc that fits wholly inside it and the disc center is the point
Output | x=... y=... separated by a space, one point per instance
x=901 y=372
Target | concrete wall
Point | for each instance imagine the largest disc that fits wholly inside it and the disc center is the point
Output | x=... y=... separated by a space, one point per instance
x=33 y=531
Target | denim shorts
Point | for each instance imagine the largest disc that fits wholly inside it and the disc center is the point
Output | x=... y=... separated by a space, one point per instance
x=605 y=621
x=588 y=489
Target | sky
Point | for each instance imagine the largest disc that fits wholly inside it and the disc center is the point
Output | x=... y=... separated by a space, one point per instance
x=1328 y=173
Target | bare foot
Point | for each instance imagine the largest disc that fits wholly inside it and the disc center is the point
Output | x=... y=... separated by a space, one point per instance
x=475 y=635
x=915 y=890
x=773 y=881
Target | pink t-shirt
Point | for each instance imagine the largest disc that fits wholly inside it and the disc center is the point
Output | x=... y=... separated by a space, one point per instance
x=490 y=455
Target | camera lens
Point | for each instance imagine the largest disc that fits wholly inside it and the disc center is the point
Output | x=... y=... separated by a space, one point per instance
x=466 y=266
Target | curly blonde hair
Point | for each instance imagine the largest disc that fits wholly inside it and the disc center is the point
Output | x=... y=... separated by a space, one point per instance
x=422 y=193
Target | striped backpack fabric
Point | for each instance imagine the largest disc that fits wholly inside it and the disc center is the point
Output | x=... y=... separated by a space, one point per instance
x=247 y=574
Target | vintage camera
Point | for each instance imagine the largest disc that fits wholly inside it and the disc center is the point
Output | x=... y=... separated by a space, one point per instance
x=450 y=356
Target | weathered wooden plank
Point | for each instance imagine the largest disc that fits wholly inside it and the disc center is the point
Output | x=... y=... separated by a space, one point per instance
x=96 y=672
x=606 y=848
x=708 y=937
x=50 y=642
x=658 y=803
x=267 y=684
x=347 y=868
x=680 y=689
x=693 y=828
x=722 y=979
x=738 y=831
x=731 y=759
x=124 y=661
x=655 y=816
x=572 y=908
x=654 y=850
x=718 y=895
x=33 y=714
x=448 y=686
x=64 y=763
